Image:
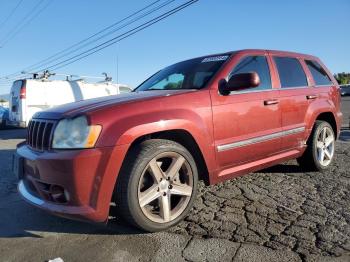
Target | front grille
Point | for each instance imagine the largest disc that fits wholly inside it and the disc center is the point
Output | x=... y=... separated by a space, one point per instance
x=39 y=134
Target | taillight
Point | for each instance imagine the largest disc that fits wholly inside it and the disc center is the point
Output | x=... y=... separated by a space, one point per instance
x=23 y=92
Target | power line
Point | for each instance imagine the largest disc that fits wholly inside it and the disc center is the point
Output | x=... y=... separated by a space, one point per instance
x=122 y=36
x=118 y=38
x=26 y=23
x=67 y=52
x=27 y=20
x=11 y=14
x=49 y=59
x=23 y=20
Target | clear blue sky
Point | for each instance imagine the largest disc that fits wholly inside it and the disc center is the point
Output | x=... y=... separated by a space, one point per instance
x=317 y=27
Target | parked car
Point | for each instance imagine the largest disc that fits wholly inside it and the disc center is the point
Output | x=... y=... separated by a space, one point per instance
x=345 y=90
x=4 y=116
x=29 y=96
x=209 y=118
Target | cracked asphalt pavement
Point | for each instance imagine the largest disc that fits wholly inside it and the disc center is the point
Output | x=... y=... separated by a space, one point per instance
x=277 y=214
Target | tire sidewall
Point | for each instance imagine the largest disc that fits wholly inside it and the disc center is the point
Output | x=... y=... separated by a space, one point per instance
x=136 y=172
x=316 y=134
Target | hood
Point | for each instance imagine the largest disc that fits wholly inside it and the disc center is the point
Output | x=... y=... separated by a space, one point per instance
x=89 y=105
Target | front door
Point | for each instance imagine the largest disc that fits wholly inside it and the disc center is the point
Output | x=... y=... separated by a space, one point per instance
x=247 y=123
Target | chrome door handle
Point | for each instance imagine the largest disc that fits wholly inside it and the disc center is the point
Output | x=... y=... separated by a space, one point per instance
x=309 y=97
x=270 y=102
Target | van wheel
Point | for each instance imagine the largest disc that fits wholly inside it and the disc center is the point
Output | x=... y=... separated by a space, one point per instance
x=319 y=153
x=157 y=185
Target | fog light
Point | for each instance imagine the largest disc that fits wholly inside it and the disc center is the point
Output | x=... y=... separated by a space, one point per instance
x=57 y=194
x=66 y=194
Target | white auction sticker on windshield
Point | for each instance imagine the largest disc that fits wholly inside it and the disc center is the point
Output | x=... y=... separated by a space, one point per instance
x=215 y=58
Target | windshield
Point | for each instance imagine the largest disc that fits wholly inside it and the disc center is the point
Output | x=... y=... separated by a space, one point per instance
x=190 y=74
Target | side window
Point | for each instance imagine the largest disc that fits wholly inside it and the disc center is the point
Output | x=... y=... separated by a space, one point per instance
x=256 y=64
x=318 y=73
x=290 y=72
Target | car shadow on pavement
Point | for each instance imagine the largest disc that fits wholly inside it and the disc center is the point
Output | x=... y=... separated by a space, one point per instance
x=14 y=133
x=283 y=168
x=345 y=135
x=20 y=219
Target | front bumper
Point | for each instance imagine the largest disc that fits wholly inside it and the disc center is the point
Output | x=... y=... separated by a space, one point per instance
x=68 y=211
x=87 y=178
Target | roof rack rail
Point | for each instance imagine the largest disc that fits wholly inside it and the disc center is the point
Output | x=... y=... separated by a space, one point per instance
x=46 y=74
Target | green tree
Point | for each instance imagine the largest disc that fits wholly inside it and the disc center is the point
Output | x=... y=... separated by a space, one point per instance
x=342 y=78
x=2 y=100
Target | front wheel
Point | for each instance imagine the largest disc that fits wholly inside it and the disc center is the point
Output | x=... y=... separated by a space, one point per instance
x=157 y=185
x=320 y=149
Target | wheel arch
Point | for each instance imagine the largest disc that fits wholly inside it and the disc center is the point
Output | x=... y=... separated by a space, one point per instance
x=330 y=119
x=184 y=138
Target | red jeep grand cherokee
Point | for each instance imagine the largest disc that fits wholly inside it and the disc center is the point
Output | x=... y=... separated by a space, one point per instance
x=211 y=118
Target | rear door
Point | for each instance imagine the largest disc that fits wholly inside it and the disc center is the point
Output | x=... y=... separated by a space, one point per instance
x=321 y=80
x=294 y=101
x=322 y=90
x=17 y=103
x=246 y=122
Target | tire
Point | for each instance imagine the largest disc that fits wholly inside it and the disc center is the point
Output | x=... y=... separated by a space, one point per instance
x=313 y=159
x=140 y=175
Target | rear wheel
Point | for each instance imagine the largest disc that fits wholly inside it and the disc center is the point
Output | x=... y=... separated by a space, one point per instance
x=157 y=185
x=320 y=149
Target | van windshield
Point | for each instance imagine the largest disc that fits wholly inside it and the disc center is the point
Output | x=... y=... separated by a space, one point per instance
x=190 y=74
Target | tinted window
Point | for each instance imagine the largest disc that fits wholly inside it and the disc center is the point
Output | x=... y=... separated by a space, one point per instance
x=200 y=78
x=190 y=74
x=256 y=64
x=290 y=72
x=318 y=73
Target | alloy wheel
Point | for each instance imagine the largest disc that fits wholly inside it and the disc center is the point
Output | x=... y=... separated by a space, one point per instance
x=165 y=187
x=325 y=146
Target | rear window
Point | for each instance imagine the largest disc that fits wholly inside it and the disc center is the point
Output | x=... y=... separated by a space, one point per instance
x=318 y=73
x=17 y=85
x=290 y=72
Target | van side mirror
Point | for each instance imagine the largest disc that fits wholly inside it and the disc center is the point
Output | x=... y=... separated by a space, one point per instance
x=239 y=82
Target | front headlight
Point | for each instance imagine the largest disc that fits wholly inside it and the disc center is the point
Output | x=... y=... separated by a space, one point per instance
x=75 y=133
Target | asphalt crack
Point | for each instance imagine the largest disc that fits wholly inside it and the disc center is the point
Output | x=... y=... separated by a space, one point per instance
x=281 y=208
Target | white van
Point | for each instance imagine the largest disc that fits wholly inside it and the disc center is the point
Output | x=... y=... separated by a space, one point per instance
x=29 y=96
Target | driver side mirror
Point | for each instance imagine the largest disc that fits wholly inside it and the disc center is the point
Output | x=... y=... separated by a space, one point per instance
x=238 y=82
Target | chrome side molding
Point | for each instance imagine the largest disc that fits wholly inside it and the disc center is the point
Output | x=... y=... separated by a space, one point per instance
x=260 y=139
